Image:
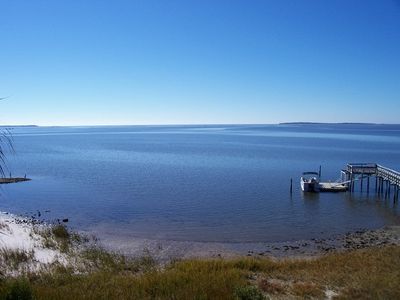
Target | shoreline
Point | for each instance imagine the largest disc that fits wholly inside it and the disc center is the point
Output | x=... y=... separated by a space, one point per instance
x=334 y=267
x=22 y=235
x=166 y=250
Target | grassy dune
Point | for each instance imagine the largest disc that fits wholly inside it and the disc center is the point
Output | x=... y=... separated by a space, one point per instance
x=361 y=274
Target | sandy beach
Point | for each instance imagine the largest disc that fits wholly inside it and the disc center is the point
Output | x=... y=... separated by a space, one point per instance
x=21 y=233
x=164 y=250
x=21 y=237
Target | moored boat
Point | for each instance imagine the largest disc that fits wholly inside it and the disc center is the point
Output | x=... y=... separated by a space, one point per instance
x=309 y=182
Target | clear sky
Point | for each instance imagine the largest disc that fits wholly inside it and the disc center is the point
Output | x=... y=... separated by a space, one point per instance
x=87 y=62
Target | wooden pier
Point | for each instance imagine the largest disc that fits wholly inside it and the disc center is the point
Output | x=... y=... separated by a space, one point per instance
x=6 y=180
x=387 y=181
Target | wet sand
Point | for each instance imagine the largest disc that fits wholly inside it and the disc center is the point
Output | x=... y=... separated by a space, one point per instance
x=169 y=250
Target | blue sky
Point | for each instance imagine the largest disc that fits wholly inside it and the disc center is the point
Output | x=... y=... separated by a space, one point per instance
x=193 y=62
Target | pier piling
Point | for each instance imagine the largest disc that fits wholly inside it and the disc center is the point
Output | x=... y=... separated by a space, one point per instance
x=362 y=181
x=385 y=178
x=291 y=186
x=386 y=190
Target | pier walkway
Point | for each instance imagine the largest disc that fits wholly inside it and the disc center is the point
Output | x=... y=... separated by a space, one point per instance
x=386 y=179
x=6 y=180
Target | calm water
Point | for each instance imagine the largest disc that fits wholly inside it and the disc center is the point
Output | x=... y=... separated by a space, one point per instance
x=199 y=183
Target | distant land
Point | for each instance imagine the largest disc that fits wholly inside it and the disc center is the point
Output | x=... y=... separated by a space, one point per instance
x=281 y=123
x=11 y=126
x=340 y=123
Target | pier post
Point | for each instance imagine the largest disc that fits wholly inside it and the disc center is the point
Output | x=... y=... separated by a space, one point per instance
x=376 y=184
x=351 y=181
x=383 y=186
x=385 y=183
x=368 y=184
x=389 y=189
x=380 y=186
x=362 y=179
x=291 y=186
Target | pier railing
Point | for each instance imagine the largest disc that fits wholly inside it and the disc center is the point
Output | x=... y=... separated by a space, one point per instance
x=375 y=170
x=385 y=177
x=388 y=174
x=362 y=168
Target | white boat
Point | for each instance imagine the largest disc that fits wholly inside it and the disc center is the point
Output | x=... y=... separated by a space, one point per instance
x=310 y=182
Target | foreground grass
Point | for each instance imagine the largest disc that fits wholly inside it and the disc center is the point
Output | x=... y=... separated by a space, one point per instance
x=363 y=274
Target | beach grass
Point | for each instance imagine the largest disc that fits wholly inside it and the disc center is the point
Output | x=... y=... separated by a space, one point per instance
x=372 y=273
x=12 y=258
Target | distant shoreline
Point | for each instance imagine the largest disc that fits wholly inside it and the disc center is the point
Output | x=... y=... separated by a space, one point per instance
x=205 y=125
x=12 y=126
x=335 y=123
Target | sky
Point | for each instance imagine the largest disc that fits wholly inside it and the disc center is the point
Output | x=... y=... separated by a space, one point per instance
x=126 y=62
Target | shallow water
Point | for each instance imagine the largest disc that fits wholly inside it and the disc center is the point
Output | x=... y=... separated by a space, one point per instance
x=199 y=183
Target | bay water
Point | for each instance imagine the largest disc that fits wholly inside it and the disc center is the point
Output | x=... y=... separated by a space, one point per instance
x=214 y=183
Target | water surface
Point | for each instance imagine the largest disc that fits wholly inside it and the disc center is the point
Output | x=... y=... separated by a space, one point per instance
x=199 y=183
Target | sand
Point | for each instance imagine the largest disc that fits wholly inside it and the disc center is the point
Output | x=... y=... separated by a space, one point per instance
x=19 y=234
x=166 y=250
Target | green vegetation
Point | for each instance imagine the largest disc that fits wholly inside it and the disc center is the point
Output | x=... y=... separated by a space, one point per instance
x=60 y=232
x=58 y=237
x=362 y=274
x=16 y=289
x=249 y=292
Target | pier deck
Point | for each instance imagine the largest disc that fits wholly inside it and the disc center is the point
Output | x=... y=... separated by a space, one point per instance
x=13 y=180
x=332 y=187
x=386 y=179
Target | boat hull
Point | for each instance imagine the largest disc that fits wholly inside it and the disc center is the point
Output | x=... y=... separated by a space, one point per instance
x=312 y=187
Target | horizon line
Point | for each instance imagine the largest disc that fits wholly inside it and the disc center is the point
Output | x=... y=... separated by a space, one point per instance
x=200 y=124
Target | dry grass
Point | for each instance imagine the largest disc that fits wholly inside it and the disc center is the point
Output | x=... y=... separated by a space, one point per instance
x=361 y=274
x=13 y=258
x=307 y=290
x=4 y=226
x=185 y=280
x=273 y=286
x=58 y=237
